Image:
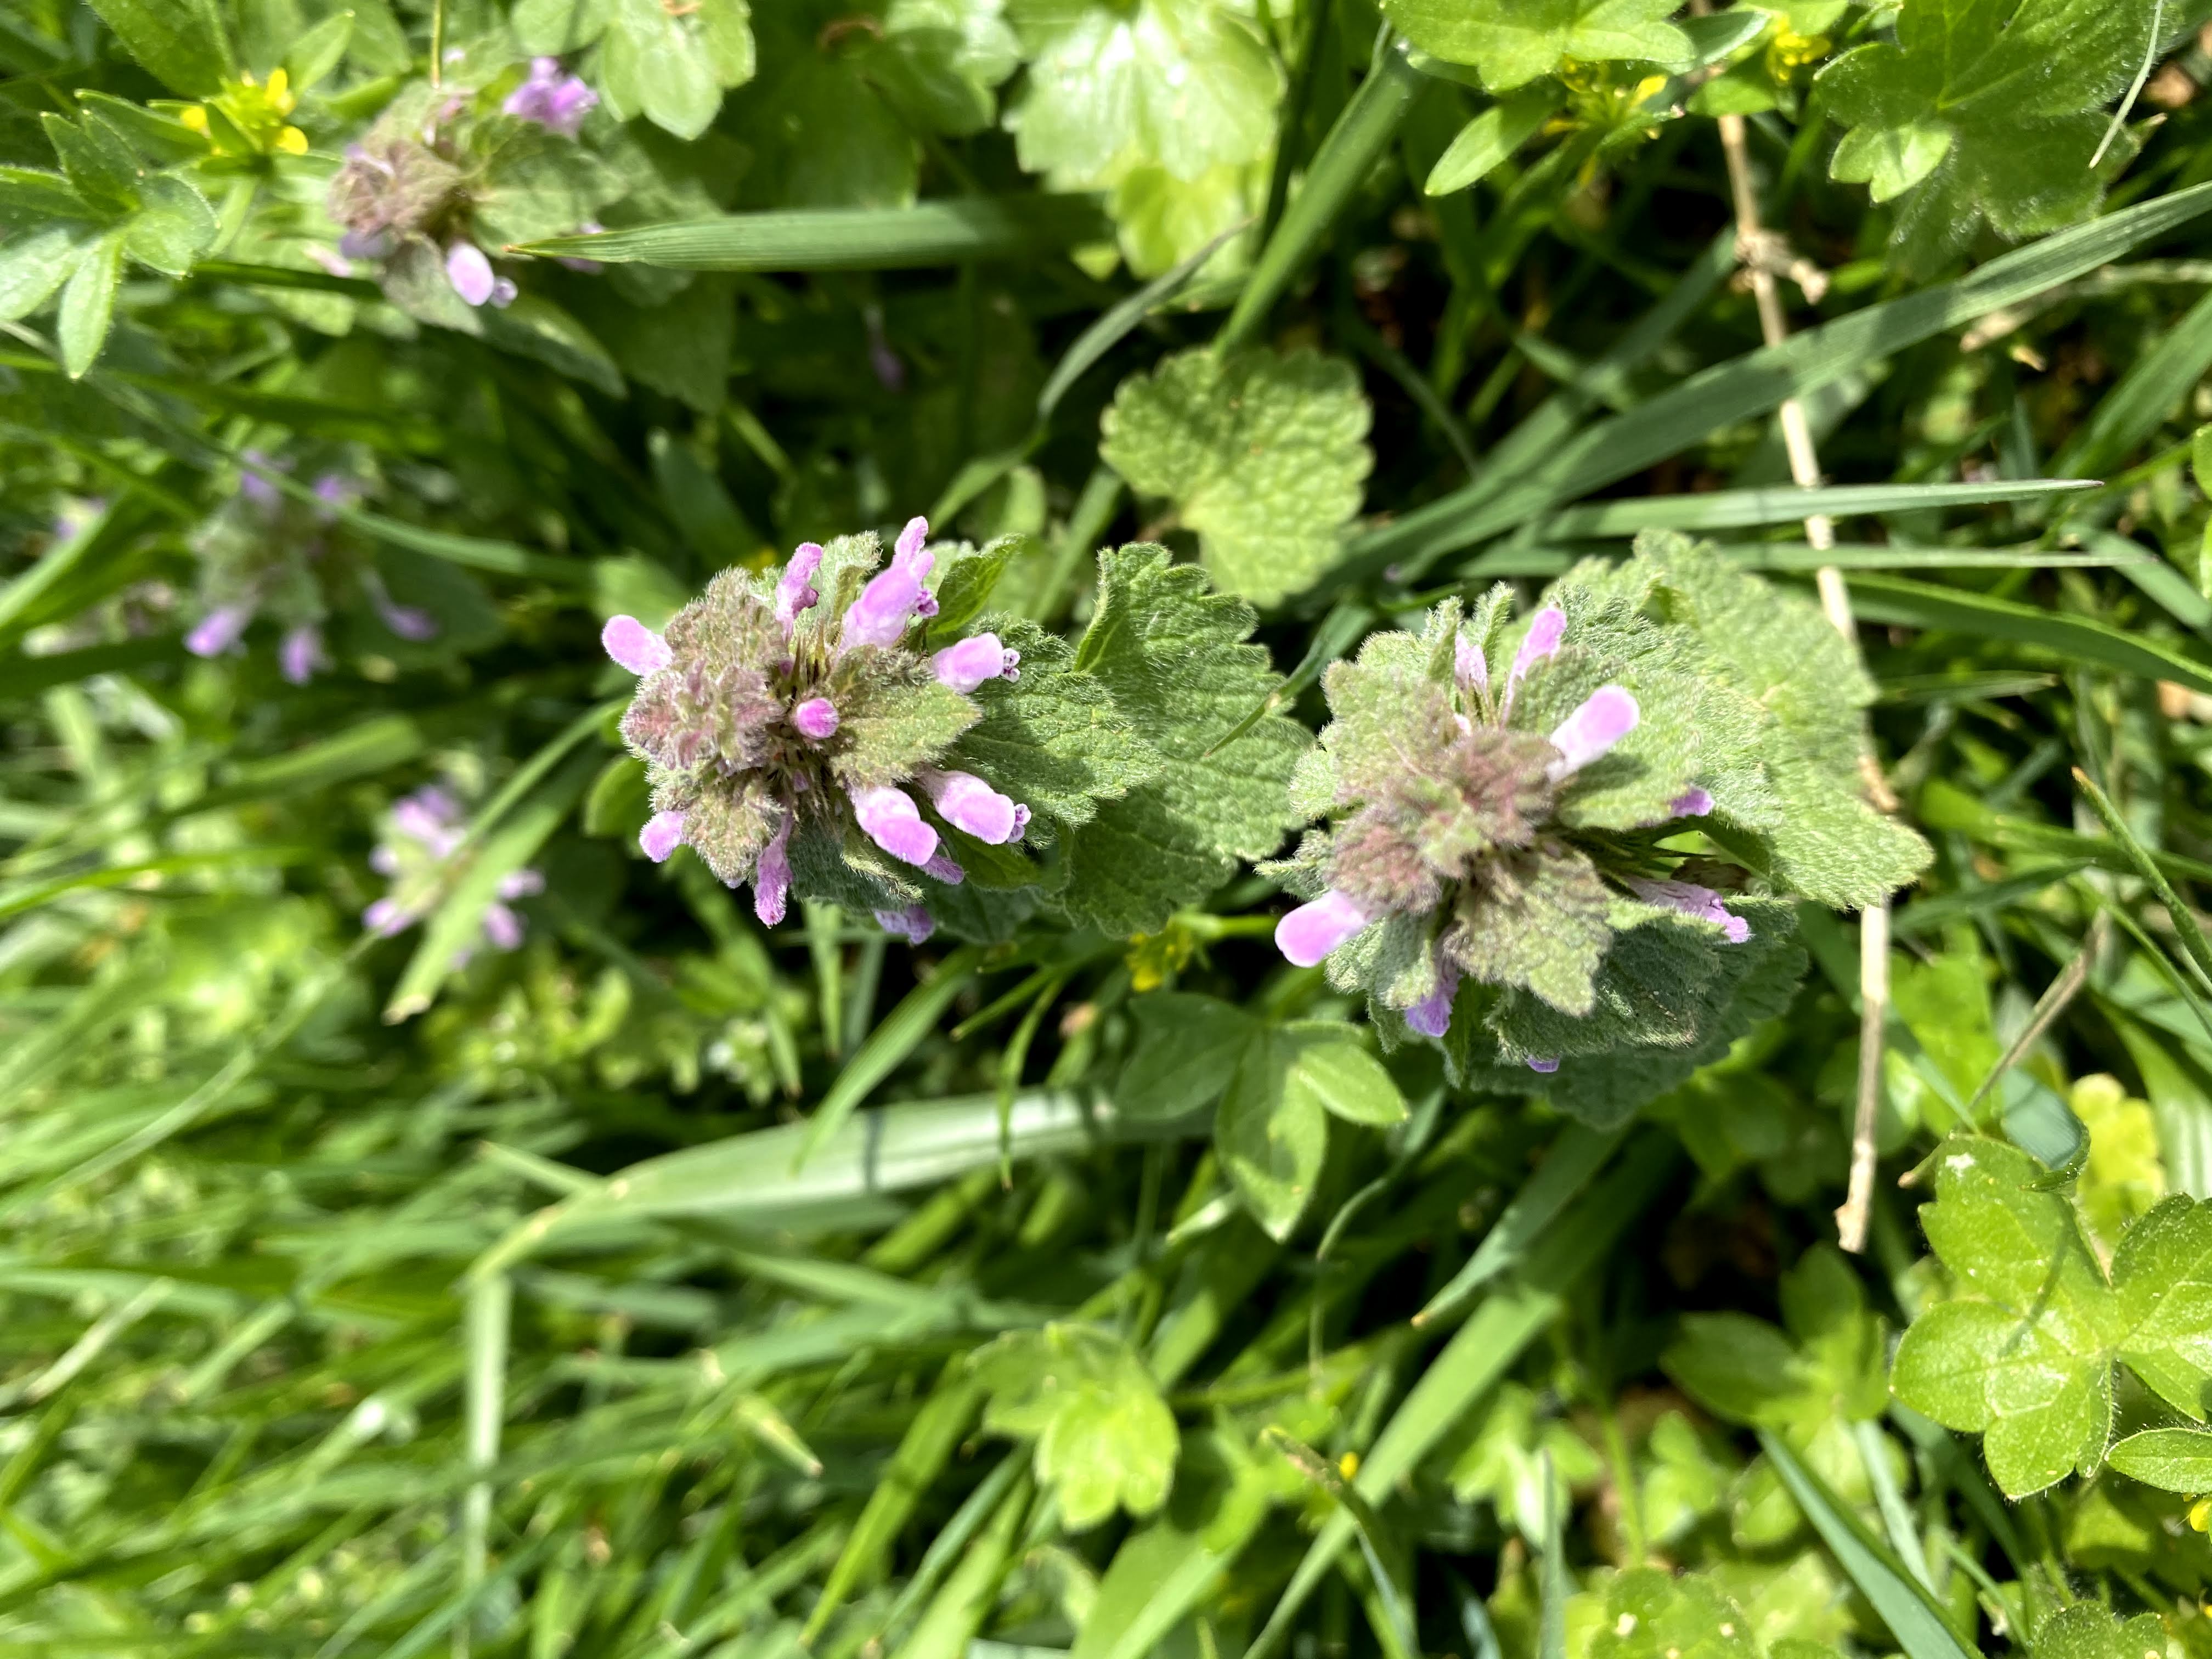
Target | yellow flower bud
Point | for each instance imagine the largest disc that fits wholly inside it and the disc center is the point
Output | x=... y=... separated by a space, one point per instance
x=2200 y=1515
x=195 y=117
x=291 y=141
x=281 y=97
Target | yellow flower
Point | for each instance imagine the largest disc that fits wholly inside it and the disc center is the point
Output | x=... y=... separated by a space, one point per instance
x=2200 y=1515
x=291 y=141
x=281 y=97
x=1348 y=1465
x=195 y=117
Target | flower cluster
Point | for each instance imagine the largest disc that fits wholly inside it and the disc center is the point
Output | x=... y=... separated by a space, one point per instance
x=1455 y=851
x=422 y=833
x=412 y=191
x=789 y=719
x=263 y=551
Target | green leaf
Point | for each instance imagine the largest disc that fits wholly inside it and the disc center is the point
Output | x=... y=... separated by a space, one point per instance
x=181 y=42
x=1271 y=1134
x=1962 y=111
x=1325 y=1063
x=2174 y=1459
x=2162 y=1274
x=1173 y=656
x=100 y=166
x=1828 y=1365
x=2086 y=1630
x=555 y=27
x=1054 y=739
x=310 y=59
x=1104 y=1438
x=89 y=303
x=1511 y=42
x=672 y=65
x=1259 y=453
x=34 y=265
x=1491 y=137
x=1187 y=1051
x=2023 y=1353
x=1652 y=1614
x=175 y=226
x=1183 y=85
x=847 y=238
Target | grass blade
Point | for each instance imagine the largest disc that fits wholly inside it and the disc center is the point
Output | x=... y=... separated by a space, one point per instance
x=1731 y=509
x=1482 y=1352
x=1751 y=385
x=849 y=239
x=1911 y=1613
x=1363 y=132
x=1572 y=1159
x=2185 y=925
x=2077 y=639
x=888 y=1045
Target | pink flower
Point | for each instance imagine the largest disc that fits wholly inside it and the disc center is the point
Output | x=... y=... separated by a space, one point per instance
x=966 y=666
x=913 y=924
x=895 y=597
x=1546 y=629
x=891 y=820
x=1691 y=804
x=794 y=590
x=385 y=918
x=1547 y=1064
x=501 y=926
x=301 y=653
x=1692 y=899
x=1312 y=931
x=1432 y=1015
x=635 y=645
x=1606 y=715
x=944 y=869
x=662 y=835
x=219 y=630
x=816 y=719
x=772 y=877
x=966 y=802
x=1468 y=666
x=409 y=621
x=469 y=270
x=555 y=101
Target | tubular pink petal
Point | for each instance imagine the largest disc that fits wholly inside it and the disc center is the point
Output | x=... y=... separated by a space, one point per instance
x=661 y=836
x=635 y=645
x=301 y=653
x=1546 y=629
x=385 y=918
x=910 y=541
x=218 y=630
x=944 y=869
x=1432 y=1016
x=1547 y=1064
x=1469 y=667
x=890 y=819
x=501 y=926
x=469 y=270
x=520 y=884
x=794 y=589
x=1312 y=931
x=914 y=924
x=1691 y=804
x=1692 y=899
x=815 y=719
x=772 y=878
x=1606 y=715
x=966 y=666
x=967 y=803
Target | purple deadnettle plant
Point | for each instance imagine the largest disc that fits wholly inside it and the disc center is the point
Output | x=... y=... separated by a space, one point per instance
x=424 y=831
x=792 y=723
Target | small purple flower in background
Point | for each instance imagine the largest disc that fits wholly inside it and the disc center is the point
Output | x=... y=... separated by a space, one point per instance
x=219 y=630
x=555 y=101
x=254 y=483
x=778 y=730
x=1547 y=1064
x=301 y=653
x=469 y=270
x=423 y=833
x=409 y=621
x=1691 y=804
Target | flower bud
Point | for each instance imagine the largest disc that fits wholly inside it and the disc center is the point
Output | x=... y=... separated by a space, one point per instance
x=1312 y=931
x=635 y=645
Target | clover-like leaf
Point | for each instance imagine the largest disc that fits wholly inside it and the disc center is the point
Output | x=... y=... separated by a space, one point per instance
x=1511 y=42
x=1966 y=115
x=1103 y=1436
x=1263 y=455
